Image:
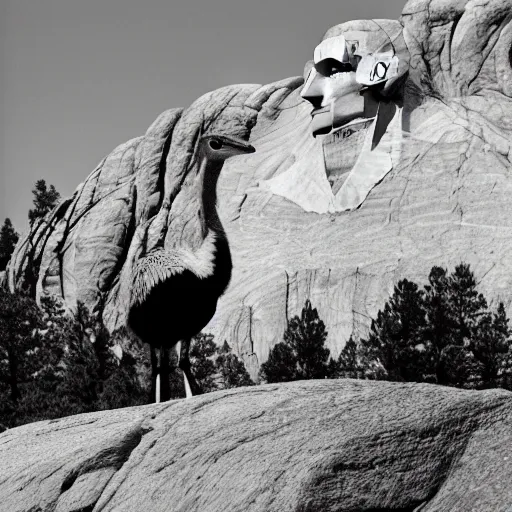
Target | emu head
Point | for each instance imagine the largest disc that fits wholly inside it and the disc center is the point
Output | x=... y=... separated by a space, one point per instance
x=221 y=147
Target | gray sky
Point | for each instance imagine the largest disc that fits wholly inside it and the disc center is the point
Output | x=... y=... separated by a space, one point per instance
x=79 y=77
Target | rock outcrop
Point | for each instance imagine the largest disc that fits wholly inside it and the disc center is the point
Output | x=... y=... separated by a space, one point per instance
x=446 y=198
x=305 y=446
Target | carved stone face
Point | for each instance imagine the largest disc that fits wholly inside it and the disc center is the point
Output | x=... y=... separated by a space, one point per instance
x=332 y=88
x=347 y=73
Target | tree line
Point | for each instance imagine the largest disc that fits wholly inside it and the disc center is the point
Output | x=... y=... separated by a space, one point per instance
x=443 y=333
x=53 y=364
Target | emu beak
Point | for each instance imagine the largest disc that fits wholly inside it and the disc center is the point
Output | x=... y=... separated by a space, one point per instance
x=239 y=145
x=242 y=146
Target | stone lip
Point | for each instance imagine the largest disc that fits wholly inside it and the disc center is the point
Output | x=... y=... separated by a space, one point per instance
x=341 y=445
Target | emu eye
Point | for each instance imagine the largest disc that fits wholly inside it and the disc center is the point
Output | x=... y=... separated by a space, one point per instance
x=215 y=144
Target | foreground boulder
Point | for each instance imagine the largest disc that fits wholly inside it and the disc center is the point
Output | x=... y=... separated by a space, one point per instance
x=306 y=446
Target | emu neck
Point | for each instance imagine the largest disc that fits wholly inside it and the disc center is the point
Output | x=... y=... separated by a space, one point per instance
x=210 y=171
x=193 y=213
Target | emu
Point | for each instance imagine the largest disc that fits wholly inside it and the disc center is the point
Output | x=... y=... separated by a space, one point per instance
x=175 y=291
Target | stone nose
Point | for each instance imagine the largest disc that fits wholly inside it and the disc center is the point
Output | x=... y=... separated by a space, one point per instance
x=313 y=90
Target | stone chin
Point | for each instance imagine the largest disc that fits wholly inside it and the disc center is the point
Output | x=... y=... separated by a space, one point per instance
x=321 y=123
x=324 y=123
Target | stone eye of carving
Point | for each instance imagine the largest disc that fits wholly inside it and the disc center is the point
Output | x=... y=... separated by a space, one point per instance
x=330 y=67
x=342 y=68
x=215 y=144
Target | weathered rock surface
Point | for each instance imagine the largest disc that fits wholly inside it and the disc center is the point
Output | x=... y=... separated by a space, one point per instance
x=304 y=446
x=446 y=199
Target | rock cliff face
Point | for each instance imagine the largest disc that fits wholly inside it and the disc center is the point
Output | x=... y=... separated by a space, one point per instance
x=305 y=446
x=445 y=199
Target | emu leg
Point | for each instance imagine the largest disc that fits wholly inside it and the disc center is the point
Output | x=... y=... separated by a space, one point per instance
x=165 y=388
x=188 y=391
x=155 y=374
x=186 y=368
x=157 y=389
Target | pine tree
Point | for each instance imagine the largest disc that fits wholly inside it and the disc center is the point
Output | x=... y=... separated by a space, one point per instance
x=19 y=318
x=394 y=348
x=306 y=336
x=302 y=354
x=439 y=326
x=45 y=199
x=467 y=306
x=231 y=369
x=202 y=352
x=281 y=365
x=349 y=361
x=8 y=240
x=491 y=347
x=333 y=369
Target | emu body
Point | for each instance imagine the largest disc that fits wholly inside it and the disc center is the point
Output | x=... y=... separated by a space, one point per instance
x=175 y=291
